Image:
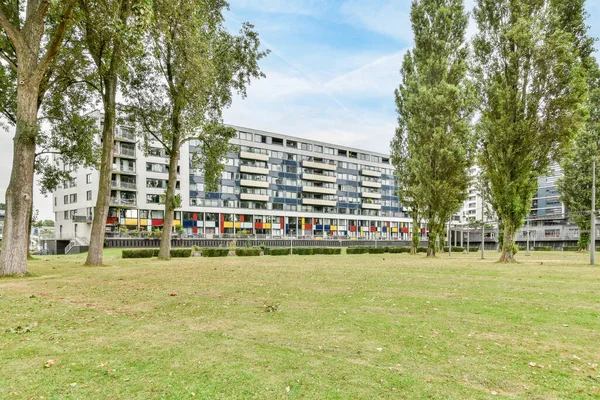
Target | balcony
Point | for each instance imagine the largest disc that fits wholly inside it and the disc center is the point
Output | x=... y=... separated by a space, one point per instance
x=254 y=170
x=82 y=218
x=124 y=168
x=124 y=185
x=371 y=184
x=250 y=155
x=319 y=190
x=123 y=134
x=319 y=165
x=318 y=178
x=370 y=195
x=319 y=202
x=124 y=152
x=253 y=197
x=123 y=202
x=369 y=206
x=370 y=172
x=253 y=183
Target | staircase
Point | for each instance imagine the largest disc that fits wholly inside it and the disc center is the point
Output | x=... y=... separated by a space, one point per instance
x=77 y=244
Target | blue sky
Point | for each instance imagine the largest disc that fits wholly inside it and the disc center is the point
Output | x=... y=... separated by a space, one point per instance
x=333 y=67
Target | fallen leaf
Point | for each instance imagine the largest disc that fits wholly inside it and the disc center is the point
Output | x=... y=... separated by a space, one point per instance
x=287 y=389
x=379 y=349
x=532 y=364
x=49 y=363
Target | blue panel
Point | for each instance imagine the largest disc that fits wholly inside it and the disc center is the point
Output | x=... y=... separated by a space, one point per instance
x=188 y=223
x=212 y=195
x=319 y=227
x=327 y=227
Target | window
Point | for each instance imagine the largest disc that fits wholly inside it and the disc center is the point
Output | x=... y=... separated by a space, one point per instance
x=153 y=167
x=152 y=198
x=66 y=215
x=277 y=154
x=306 y=146
x=88 y=178
x=88 y=195
x=66 y=199
x=73 y=182
x=329 y=150
x=144 y=214
x=318 y=149
x=260 y=138
x=73 y=198
x=156 y=152
x=245 y=136
x=277 y=141
x=158 y=214
x=293 y=144
x=55 y=201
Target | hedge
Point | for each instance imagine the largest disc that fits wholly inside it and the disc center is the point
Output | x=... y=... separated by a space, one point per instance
x=542 y=248
x=137 y=253
x=278 y=252
x=218 y=252
x=376 y=250
x=421 y=249
x=303 y=251
x=327 y=250
x=398 y=249
x=357 y=250
x=457 y=249
x=474 y=249
x=181 y=253
x=571 y=248
x=249 y=252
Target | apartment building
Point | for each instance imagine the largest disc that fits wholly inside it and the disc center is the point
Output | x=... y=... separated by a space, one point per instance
x=273 y=186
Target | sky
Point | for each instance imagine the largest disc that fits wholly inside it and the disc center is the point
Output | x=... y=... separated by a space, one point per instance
x=330 y=76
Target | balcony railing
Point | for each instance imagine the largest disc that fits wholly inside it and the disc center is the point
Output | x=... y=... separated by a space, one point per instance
x=123 y=201
x=122 y=151
x=123 y=168
x=123 y=134
x=82 y=218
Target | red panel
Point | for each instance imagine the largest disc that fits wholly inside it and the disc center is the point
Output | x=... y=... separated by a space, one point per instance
x=258 y=225
x=282 y=222
x=315 y=221
x=352 y=228
x=387 y=224
x=157 y=222
x=405 y=230
x=111 y=220
x=423 y=230
x=308 y=227
x=241 y=218
x=195 y=229
x=195 y=216
x=373 y=229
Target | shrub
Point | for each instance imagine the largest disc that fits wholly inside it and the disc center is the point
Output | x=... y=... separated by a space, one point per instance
x=473 y=249
x=542 y=248
x=219 y=252
x=421 y=249
x=376 y=250
x=327 y=250
x=279 y=252
x=247 y=252
x=398 y=249
x=303 y=251
x=571 y=248
x=357 y=250
x=137 y=253
x=155 y=252
x=181 y=253
x=457 y=249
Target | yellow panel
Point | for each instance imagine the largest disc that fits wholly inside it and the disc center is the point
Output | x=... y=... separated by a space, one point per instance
x=131 y=221
x=143 y=222
x=176 y=222
x=333 y=228
x=302 y=223
x=321 y=238
x=395 y=230
x=353 y=238
x=268 y=225
x=364 y=228
x=238 y=224
x=227 y=224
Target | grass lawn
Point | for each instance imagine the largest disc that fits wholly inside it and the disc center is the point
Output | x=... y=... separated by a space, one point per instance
x=349 y=326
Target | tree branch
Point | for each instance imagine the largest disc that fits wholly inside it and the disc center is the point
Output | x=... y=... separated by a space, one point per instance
x=12 y=31
x=10 y=62
x=54 y=44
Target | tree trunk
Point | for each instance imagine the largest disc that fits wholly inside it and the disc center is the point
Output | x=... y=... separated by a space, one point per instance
x=508 y=244
x=29 y=257
x=19 y=194
x=431 y=243
x=415 y=234
x=94 y=257
x=165 y=240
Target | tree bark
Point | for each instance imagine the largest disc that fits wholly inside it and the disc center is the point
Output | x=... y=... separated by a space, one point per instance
x=165 y=240
x=431 y=243
x=415 y=240
x=19 y=194
x=508 y=244
x=94 y=257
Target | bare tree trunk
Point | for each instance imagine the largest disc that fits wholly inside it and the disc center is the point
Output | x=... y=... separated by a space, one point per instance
x=508 y=244
x=165 y=240
x=94 y=257
x=431 y=243
x=415 y=234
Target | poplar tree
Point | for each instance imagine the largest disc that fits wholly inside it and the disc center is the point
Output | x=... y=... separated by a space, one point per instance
x=575 y=186
x=434 y=105
x=532 y=88
x=191 y=68
x=35 y=30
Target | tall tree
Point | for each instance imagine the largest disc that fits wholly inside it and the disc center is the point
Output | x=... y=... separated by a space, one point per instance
x=192 y=67
x=575 y=186
x=36 y=39
x=111 y=33
x=434 y=103
x=532 y=85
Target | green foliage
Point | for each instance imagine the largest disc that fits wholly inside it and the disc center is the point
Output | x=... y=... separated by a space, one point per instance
x=247 y=252
x=571 y=248
x=376 y=250
x=138 y=253
x=421 y=249
x=433 y=147
x=393 y=249
x=532 y=91
x=457 y=249
x=303 y=251
x=327 y=250
x=542 y=248
x=575 y=186
x=279 y=251
x=181 y=253
x=357 y=250
x=215 y=252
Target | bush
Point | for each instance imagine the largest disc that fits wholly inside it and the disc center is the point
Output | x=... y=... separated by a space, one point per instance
x=137 y=253
x=327 y=250
x=542 y=248
x=181 y=253
x=376 y=250
x=392 y=250
x=303 y=251
x=357 y=250
x=155 y=252
x=279 y=252
x=571 y=248
x=248 y=252
x=473 y=249
x=457 y=249
x=421 y=249
x=218 y=252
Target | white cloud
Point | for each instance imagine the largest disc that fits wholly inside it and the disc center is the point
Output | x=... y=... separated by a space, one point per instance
x=300 y=7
